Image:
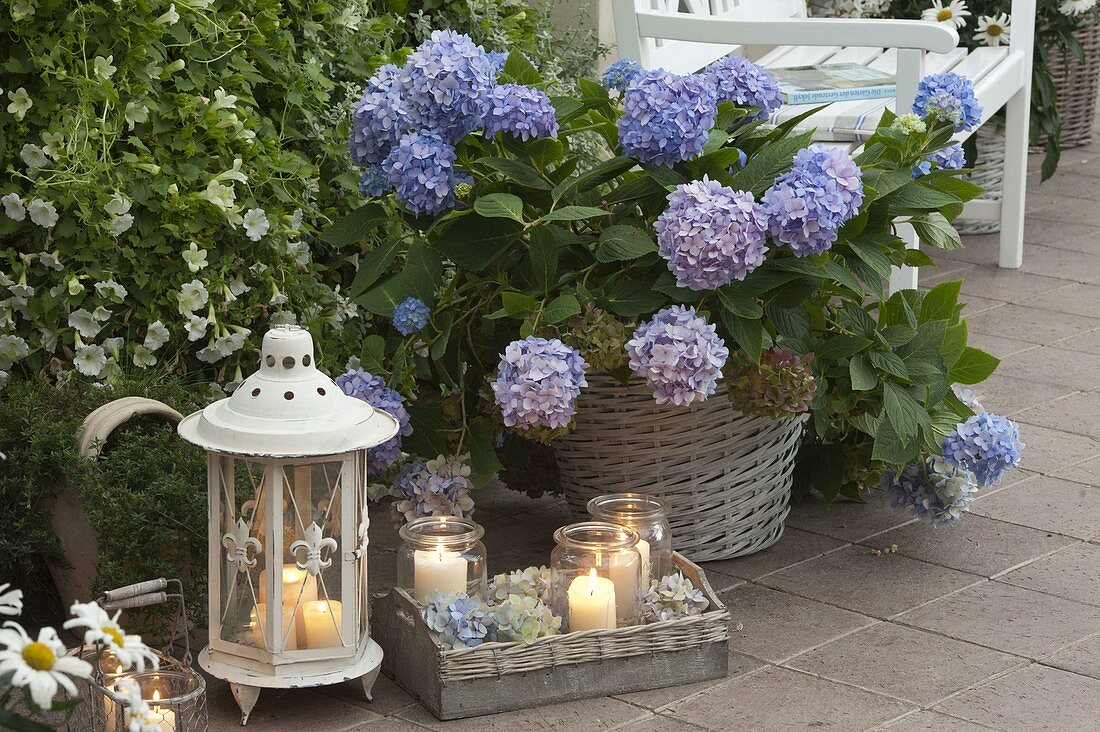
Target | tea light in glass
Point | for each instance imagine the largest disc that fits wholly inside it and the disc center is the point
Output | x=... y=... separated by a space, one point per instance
x=441 y=554
x=646 y=514
x=595 y=563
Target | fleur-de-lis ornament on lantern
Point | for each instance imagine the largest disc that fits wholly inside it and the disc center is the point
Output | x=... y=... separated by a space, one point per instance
x=314 y=543
x=237 y=543
x=364 y=528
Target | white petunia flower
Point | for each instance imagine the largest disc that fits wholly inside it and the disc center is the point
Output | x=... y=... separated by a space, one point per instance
x=50 y=260
x=993 y=30
x=12 y=348
x=283 y=317
x=114 y=345
x=103 y=67
x=102 y=628
x=3 y=378
x=219 y=194
x=222 y=100
x=85 y=323
x=101 y=314
x=256 y=223
x=111 y=290
x=11 y=601
x=42 y=212
x=237 y=287
x=954 y=13
x=156 y=335
x=22 y=9
x=1077 y=7
x=48 y=339
x=195 y=257
x=135 y=114
x=143 y=357
x=171 y=17
x=74 y=287
x=52 y=143
x=296 y=220
x=111 y=370
x=121 y=224
x=195 y=327
x=13 y=207
x=118 y=205
x=192 y=296
x=34 y=156
x=21 y=103
x=90 y=360
x=39 y=665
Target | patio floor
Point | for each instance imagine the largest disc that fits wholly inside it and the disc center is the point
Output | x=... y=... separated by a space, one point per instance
x=859 y=619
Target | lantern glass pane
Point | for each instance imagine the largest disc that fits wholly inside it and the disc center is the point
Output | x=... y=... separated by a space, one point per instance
x=245 y=491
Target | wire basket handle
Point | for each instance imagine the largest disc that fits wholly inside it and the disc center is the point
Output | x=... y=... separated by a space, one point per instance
x=152 y=592
x=111 y=598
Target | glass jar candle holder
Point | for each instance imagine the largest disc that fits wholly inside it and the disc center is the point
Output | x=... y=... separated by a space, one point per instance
x=441 y=554
x=648 y=515
x=596 y=575
x=176 y=698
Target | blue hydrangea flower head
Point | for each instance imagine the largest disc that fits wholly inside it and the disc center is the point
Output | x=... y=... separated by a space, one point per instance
x=679 y=354
x=378 y=119
x=497 y=60
x=666 y=117
x=438 y=487
x=619 y=74
x=526 y=113
x=538 y=382
x=808 y=204
x=410 y=316
x=948 y=158
x=742 y=82
x=374 y=181
x=949 y=97
x=986 y=445
x=458 y=621
x=711 y=234
x=421 y=169
x=373 y=390
x=933 y=490
x=446 y=83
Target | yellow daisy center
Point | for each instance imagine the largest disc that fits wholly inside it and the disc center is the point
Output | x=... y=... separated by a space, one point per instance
x=945 y=14
x=115 y=635
x=994 y=30
x=39 y=656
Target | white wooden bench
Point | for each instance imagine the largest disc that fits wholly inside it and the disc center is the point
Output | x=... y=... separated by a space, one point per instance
x=683 y=36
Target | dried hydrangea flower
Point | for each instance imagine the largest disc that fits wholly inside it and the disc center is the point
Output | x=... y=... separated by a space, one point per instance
x=439 y=487
x=524 y=619
x=531 y=582
x=672 y=598
x=458 y=621
x=782 y=385
x=601 y=337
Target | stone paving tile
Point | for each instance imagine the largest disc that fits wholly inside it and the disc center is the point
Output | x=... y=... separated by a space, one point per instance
x=976 y=544
x=777 y=625
x=972 y=305
x=1078 y=413
x=285 y=710
x=1072 y=573
x=388 y=724
x=1043 y=227
x=929 y=721
x=1080 y=658
x=1085 y=343
x=1009 y=285
x=1041 y=327
x=846 y=520
x=1007 y=395
x=997 y=346
x=386 y=697
x=1071 y=212
x=655 y=699
x=878 y=585
x=1086 y=244
x=911 y=665
x=1061 y=263
x=1056 y=505
x=1087 y=472
x=1054 y=365
x=1007 y=618
x=781 y=699
x=1049 y=450
x=1078 y=299
x=661 y=723
x=1036 y=697
x=587 y=714
x=1065 y=184
x=794 y=546
x=945 y=270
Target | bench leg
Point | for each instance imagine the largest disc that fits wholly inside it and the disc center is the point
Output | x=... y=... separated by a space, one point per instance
x=1015 y=180
x=905 y=278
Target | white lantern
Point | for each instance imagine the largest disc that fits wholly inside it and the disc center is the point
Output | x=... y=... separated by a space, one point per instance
x=288 y=525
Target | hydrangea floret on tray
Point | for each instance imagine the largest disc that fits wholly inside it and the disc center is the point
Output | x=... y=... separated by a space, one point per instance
x=672 y=598
x=461 y=621
x=698 y=234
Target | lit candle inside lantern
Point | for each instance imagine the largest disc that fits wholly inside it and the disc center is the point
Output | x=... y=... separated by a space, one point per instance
x=294 y=581
x=438 y=570
x=591 y=603
x=623 y=570
x=322 y=619
x=163 y=717
x=256 y=625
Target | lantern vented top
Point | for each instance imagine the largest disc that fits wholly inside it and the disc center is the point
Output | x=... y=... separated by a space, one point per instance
x=288 y=408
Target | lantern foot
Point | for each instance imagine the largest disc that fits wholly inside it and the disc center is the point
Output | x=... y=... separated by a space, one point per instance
x=367 y=682
x=246 y=697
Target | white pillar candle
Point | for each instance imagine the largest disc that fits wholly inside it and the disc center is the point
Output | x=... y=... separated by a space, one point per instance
x=110 y=710
x=256 y=626
x=294 y=581
x=322 y=618
x=624 y=571
x=438 y=570
x=591 y=603
x=163 y=717
x=643 y=550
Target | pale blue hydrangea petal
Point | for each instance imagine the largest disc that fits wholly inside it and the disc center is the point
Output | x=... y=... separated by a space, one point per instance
x=373 y=390
x=935 y=491
x=410 y=316
x=986 y=445
x=524 y=112
x=421 y=169
x=949 y=97
x=742 y=82
x=446 y=84
x=619 y=74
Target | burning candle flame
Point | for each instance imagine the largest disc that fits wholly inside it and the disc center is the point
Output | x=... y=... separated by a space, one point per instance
x=592 y=582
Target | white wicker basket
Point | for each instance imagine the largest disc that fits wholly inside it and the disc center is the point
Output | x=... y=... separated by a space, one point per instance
x=989 y=174
x=727 y=476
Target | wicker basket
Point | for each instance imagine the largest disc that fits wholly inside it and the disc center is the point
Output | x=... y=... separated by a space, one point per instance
x=727 y=476
x=1076 y=82
x=500 y=677
x=989 y=174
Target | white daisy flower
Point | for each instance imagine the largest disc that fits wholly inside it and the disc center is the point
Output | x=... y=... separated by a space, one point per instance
x=120 y=224
x=118 y=205
x=34 y=156
x=219 y=194
x=42 y=212
x=39 y=665
x=135 y=113
x=192 y=296
x=143 y=357
x=171 y=17
x=195 y=327
x=993 y=30
x=11 y=601
x=256 y=223
x=85 y=323
x=111 y=290
x=103 y=67
x=954 y=13
x=52 y=143
x=222 y=100
x=21 y=103
x=1077 y=7
x=102 y=628
x=90 y=359
x=12 y=348
x=156 y=335
x=13 y=207
x=22 y=9
x=195 y=257
x=50 y=260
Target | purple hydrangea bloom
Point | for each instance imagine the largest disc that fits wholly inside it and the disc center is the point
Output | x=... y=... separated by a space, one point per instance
x=374 y=181
x=986 y=445
x=949 y=158
x=421 y=169
x=497 y=60
x=538 y=382
x=410 y=316
x=666 y=118
x=679 y=354
x=439 y=487
x=379 y=118
x=742 y=82
x=446 y=83
x=458 y=621
x=619 y=74
x=711 y=234
x=935 y=491
x=373 y=390
x=526 y=113
x=948 y=97
x=808 y=204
